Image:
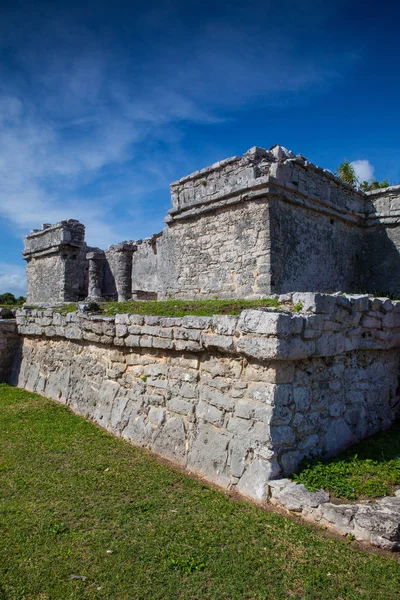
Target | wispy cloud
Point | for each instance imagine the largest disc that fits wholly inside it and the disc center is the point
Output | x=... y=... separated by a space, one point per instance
x=363 y=169
x=90 y=124
x=12 y=279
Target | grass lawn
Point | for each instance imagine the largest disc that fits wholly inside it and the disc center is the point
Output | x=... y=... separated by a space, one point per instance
x=367 y=470
x=180 y=308
x=84 y=515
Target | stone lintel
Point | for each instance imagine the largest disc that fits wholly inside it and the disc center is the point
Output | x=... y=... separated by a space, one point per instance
x=123 y=247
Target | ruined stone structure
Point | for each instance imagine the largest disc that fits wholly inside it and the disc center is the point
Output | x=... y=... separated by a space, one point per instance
x=238 y=400
x=246 y=227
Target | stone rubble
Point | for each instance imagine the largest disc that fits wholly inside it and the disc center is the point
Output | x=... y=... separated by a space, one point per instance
x=375 y=522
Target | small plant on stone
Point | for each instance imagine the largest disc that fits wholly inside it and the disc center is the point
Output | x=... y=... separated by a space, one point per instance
x=203 y=182
x=144 y=378
x=298 y=307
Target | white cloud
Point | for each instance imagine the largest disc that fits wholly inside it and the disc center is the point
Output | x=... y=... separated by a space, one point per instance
x=68 y=127
x=363 y=169
x=12 y=279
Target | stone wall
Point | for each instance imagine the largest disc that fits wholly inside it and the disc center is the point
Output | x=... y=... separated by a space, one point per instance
x=9 y=343
x=145 y=269
x=313 y=251
x=266 y=222
x=224 y=253
x=245 y=227
x=57 y=269
x=238 y=400
x=382 y=242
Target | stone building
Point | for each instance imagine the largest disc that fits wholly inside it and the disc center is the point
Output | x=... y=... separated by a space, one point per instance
x=245 y=227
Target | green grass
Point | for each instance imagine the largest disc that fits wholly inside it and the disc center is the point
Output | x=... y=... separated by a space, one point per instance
x=179 y=308
x=76 y=503
x=366 y=470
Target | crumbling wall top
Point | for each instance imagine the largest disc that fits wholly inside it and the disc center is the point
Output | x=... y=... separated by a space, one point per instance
x=259 y=169
x=50 y=238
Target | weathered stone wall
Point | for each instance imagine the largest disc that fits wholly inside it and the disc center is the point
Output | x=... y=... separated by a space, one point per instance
x=239 y=400
x=9 y=342
x=145 y=269
x=266 y=222
x=382 y=242
x=312 y=250
x=57 y=269
x=45 y=275
x=223 y=253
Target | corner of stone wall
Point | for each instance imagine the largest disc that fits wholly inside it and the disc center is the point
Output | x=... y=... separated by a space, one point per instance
x=9 y=343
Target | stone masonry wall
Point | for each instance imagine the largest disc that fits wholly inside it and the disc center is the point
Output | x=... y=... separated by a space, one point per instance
x=245 y=227
x=224 y=253
x=309 y=237
x=382 y=242
x=57 y=270
x=145 y=270
x=311 y=250
x=239 y=400
x=9 y=342
x=45 y=276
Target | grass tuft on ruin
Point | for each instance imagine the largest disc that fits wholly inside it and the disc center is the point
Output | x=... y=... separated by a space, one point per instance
x=370 y=469
x=85 y=515
x=179 y=308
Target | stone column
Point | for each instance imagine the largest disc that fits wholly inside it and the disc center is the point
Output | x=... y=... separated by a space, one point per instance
x=120 y=261
x=96 y=274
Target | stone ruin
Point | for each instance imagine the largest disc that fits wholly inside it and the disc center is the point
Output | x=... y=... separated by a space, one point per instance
x=268 y=222
x=238 y=400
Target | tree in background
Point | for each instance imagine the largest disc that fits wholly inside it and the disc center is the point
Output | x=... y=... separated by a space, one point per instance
x=9 y=299
x=367 y=186
x=347 y=174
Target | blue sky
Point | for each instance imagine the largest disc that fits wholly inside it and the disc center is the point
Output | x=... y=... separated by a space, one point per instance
x=103 y=104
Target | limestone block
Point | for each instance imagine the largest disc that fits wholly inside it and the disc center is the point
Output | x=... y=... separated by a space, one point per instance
x=253 y=410
x=209 y=413
x=73 y=332
x=121 y=330
x=187 y=346
x=132 y=341
x=122 y=319
x=156 y=416
x=340 y=515
x=282 y=436
x=379 y=523
x=179 y=405
x=270 y=323
x=257 y=347
x=196 y=322
x=224 y=324
x=136 y=319
x=224 y=343
x=163 y=343
x=330 y=344
x=208 y=454
x=294 y=496
x=253 y=483
x=187 y=334
x=214 y=397
x=338 y=437
x=314 y=302
x=370 y=322
x=390 y=320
